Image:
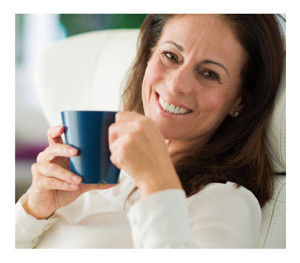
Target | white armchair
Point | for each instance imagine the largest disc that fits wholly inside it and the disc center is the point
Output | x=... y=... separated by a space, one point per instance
x=87 y=72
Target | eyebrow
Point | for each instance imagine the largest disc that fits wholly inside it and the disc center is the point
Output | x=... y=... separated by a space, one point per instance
x=207 y=61
x=180 y=48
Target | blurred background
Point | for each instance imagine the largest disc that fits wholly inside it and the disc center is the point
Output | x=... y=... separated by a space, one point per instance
x=33 y=34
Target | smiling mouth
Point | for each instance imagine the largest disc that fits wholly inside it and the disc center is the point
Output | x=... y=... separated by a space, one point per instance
x=171 y=108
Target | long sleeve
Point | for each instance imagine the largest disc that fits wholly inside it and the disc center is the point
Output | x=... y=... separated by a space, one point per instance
x=155 y=220
x=28 y=229
x=219 y=216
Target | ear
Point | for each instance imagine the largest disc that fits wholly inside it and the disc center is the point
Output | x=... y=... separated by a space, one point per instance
x=237 y=106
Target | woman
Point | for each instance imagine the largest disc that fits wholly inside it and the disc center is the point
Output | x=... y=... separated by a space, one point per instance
x=195 y=111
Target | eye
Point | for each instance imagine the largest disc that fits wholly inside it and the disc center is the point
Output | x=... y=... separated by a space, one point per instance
x=208 y=74
x=172 y=57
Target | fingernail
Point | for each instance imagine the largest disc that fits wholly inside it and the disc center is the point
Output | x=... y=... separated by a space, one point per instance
x=50 y=158
x=57 y=129
x=76 y=179
x=72 y=151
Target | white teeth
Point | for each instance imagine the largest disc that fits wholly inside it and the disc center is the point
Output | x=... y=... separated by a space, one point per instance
x=171 y=107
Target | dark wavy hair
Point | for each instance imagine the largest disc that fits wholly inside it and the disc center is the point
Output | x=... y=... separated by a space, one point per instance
x=237 y=151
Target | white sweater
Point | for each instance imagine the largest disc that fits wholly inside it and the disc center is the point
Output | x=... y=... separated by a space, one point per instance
x=219 y=216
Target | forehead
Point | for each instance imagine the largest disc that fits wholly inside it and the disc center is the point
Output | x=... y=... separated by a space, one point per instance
x=197 y=25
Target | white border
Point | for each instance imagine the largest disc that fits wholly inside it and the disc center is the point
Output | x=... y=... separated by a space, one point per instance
x=152 y=6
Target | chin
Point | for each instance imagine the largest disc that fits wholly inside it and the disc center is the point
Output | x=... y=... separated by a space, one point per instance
x=169 y=133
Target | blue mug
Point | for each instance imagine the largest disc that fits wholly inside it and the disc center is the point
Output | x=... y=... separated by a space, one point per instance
x=88 y=132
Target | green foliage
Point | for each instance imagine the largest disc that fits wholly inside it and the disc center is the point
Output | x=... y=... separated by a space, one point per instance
x=80 y=23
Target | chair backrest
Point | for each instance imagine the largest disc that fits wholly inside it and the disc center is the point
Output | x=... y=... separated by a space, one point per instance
x=87 y=72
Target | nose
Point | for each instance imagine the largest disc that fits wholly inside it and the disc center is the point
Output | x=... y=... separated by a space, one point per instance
x=182 y=81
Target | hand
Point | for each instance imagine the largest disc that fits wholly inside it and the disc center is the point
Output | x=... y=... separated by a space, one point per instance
x=53 y=184
x=138 y=147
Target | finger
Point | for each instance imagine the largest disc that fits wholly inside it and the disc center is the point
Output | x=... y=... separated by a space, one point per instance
x=57 y=150
x=88 y=187
x=43 y=183
x=113 y=133
x=122 y=116
x=55 y=171
x=54 y=134
x=120 y=147
x=116 y=160
x=116 y=130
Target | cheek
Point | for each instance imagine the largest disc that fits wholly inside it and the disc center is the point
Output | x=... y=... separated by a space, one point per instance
x=146 y=91
x=152 y=79
x=145 y=97
x=214 y=103
x=209 y=101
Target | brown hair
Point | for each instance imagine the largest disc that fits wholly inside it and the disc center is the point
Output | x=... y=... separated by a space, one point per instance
x=237 y=150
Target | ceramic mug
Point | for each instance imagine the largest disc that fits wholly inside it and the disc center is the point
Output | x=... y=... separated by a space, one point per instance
x=88 y=132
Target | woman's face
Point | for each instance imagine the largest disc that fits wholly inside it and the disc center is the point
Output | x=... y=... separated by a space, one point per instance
x=192 y=79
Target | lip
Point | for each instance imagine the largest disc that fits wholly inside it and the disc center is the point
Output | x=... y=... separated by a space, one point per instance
x=169 y=114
